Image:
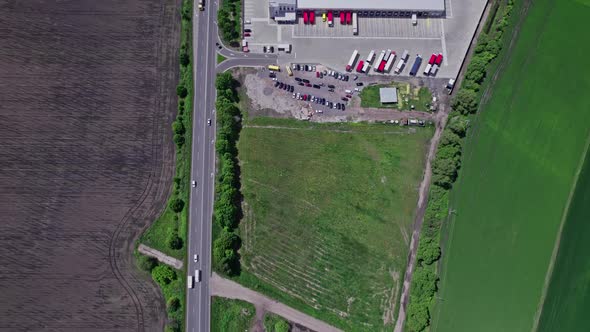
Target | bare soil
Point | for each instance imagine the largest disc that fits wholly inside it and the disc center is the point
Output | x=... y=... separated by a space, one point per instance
x=87 y=99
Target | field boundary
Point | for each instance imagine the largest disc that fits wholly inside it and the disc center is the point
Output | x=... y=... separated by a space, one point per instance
x=558 y=237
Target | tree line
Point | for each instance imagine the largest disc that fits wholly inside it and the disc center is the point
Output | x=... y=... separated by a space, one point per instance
x=228 y=18
x=445 y=168
x=227 y=209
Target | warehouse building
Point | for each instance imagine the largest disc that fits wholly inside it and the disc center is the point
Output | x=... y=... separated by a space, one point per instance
x=283 y=11
x=367 y=8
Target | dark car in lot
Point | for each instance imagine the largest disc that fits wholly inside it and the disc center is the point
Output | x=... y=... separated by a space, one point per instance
x=343 y=108
x=331 y=86
x=359 y=84
x=308 y=85
x=298 y=79
x=344 y=99
x=346 y=78
x=301 y=83
x=305 y=80
x=281 y=85
x=277 y=84
x=316 y=86
x=331 y=90
x=291 y=88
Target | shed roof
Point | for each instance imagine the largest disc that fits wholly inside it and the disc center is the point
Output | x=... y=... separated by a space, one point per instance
x=388 y=95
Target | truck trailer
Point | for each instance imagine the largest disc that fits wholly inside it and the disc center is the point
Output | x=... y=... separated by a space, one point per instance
x=355 y=24
x=389 y=62
x=370 y=56
x=366 y=67
x=379 y=59
x=352 y=60
x=416 y=65
x=402 y=61
x=359 y=68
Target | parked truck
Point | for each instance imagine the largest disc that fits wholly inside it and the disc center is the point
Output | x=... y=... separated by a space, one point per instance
x=389 y=62
x=359 y=68
x=352 y=60
x=366 y=67
x=370 y=56
x=330 y=19
x=436 y=64
x=379 y=59
x=402 y=61
x=429 y=64
x=355 y=24
x=416 y=65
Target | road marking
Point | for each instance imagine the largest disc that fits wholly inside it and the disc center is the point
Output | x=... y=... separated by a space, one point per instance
x=444 y=44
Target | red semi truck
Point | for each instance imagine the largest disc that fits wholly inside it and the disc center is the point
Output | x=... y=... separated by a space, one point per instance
x=359 y=68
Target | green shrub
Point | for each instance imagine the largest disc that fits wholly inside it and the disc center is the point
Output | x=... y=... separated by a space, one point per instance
x=163 y=274
x=174 y=241
x=177 y=205
x=465 y=102
x=178 y=127
x=181 y=91
x=147 y=263
x=173 y=304
x=282 y=326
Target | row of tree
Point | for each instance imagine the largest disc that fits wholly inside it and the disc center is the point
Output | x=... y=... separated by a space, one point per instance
x=227 y=209
x=228 y=18
x=445 y=169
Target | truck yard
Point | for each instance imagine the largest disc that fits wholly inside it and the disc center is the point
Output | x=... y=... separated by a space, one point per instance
x=330 y=43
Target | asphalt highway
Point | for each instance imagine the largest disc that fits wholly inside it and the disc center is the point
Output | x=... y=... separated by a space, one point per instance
x=205 y=37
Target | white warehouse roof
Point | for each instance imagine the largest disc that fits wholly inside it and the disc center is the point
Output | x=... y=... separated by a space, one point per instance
x=415 y=5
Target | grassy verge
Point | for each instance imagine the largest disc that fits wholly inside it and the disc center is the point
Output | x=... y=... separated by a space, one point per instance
x=169 y=232
x=231 y=315
x=445 y=168
x=220 y=58
x=408 y=96
x=275 y=323
x=327 y=212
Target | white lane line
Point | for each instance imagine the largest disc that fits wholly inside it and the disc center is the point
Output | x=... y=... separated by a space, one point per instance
x=366 y=37
x=444 y=44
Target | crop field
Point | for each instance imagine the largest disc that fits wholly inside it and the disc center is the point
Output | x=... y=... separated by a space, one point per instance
x=567 y=304
x=327 y=215
x=519 y=168
x=87 y=97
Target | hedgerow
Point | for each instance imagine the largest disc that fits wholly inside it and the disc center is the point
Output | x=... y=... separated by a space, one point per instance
x=445 y=169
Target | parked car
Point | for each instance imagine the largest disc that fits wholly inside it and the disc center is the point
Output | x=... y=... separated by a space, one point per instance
x=331 y=90
x=246 y=34
x=331 y=86
x=316 y=86
x=356 y=77
x=272 y=49
x=298 y=79
x=277 y=84
x=301 y=83
x=359 y=84
x=305 y=80
x=344 y=99
x=264 y=49
x=317 y=74
x=308 y=85
x=292 y=88
x=343 y=108
x=346 y=77
x=247 y=30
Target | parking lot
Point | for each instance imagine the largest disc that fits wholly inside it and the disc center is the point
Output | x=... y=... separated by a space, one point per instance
x=270 y=98
x=332 y=46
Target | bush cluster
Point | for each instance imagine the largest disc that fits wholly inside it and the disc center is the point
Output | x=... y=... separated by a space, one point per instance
x=228 y=18
x=227 y=209
x=445 y=169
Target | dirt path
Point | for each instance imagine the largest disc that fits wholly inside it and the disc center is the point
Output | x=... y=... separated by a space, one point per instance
x=441 y=120
x=160 y=256
x=232 y=290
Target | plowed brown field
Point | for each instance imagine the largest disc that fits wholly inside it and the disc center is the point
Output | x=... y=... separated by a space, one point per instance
x=86 y=159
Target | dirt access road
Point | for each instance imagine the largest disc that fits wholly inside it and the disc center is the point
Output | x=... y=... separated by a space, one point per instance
x=232 y=290
x=87 y=99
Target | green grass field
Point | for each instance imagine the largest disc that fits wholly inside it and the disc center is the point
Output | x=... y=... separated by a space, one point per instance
x=407 y=96
x=519 y=168
x=327 y=215
x=231 y=315
x=568 y=298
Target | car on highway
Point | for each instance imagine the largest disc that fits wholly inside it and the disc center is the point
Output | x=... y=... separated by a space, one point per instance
x=195 y=258
x=208 y=122
x=194 y=183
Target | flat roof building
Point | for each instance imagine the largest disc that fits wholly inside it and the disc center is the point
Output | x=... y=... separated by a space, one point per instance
x=415 y=6
x=283 y=11
x=388 y=95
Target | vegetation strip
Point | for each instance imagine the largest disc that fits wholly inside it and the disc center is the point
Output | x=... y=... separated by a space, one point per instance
x=229 y=21
x=227 y=209
x=168 y=233
x=445 y=171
